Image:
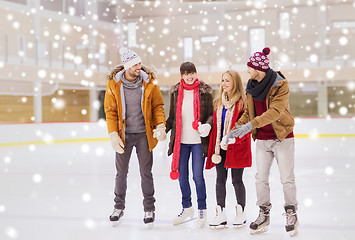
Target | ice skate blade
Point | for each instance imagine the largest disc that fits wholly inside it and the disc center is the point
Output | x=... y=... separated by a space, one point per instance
x=202 y=225
x=150 y=225
x=116 y=223
x=236 y=226
x=239 y=225
x=218 y=227
x=186 y=221
x=260 y=230
x=293 y=233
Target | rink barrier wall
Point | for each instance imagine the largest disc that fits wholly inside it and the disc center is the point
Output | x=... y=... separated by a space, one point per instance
x=53 y=141
x=50 y=133
x=107 y=139
x=73 y=132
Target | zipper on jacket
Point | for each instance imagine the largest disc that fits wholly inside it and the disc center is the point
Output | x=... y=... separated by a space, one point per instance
x=268 y=109
x=274 y=132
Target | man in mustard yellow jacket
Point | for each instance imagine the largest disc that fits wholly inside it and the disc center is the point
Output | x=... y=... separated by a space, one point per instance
x=269 y=119
x=135 y=117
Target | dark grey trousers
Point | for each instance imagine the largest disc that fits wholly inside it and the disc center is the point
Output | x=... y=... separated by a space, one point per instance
x=237 y=181
x=145 y=160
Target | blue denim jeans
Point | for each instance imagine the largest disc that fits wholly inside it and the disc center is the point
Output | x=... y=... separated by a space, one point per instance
x=198 y=162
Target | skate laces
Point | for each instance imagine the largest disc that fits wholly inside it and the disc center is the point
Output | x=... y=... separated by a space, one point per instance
x=202 y=214
x=148 y=214
x=290 y=217
x=116 y=212
x=182 y=212
x=261 y=218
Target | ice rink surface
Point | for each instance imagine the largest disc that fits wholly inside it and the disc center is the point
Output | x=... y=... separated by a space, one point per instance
x=63 y=191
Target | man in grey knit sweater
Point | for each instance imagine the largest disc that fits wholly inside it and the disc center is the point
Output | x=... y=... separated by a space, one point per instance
x=135 y=118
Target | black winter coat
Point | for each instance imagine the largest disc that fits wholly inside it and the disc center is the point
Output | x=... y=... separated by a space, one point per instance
x=206 y=113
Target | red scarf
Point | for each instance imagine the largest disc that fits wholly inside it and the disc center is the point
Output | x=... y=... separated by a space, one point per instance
x=174 y=174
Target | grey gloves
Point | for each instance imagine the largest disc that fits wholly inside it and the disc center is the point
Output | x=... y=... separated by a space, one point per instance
x=240 y=131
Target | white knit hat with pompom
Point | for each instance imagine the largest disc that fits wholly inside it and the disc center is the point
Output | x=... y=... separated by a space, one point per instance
x=129 y=58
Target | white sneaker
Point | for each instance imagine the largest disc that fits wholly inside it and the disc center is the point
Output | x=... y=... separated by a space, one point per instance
x=240 y=218
x=220 y=221
x=202 y=216
x=184 y=215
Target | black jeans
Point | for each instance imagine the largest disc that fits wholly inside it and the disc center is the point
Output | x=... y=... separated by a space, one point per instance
x=237 y=181
x=145 y=160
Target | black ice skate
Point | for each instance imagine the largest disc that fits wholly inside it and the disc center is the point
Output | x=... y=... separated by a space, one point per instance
x=149 y=217
x=261 y=224
x=291 y=220
x=116 y=216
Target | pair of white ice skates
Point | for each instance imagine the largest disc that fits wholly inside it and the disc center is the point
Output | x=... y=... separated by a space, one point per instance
x=188 y=214
x=115 y=217
x=220 y=221
x=261 y=224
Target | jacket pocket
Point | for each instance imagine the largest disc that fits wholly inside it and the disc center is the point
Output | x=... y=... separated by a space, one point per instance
x=286 y=120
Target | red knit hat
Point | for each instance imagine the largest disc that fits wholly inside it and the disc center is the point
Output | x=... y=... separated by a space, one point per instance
x=259 y=60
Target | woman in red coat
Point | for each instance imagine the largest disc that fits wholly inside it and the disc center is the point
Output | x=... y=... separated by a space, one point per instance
x=228 y=108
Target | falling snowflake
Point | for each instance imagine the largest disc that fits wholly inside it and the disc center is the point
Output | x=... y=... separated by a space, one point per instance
x=308 y=202
x=11 y=232
x=329 y=171
x=7 y=159
x=330 y=74
x=42 y=73
x=313 y=58
x=99 y=152
x=86 y=197
x=343 y=41
x=2 y=208
x=58 y=103
x=85 y=148
x=32 y=148
x=37 y=178
x=343 y=111
x=351 y=86
x=90 y=223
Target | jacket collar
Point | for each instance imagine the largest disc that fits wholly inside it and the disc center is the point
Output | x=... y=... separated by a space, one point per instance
x=118 y=76
x=204 y=88
x=279 y=77
x=150 y=72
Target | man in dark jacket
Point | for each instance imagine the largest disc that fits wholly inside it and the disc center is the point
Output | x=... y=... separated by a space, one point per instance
x=269 y=118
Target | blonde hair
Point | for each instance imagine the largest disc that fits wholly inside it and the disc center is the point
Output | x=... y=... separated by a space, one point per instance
x=237 y=92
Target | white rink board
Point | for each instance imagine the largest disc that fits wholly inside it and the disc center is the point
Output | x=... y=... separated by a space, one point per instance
x=32 y=132
x=46 y=132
